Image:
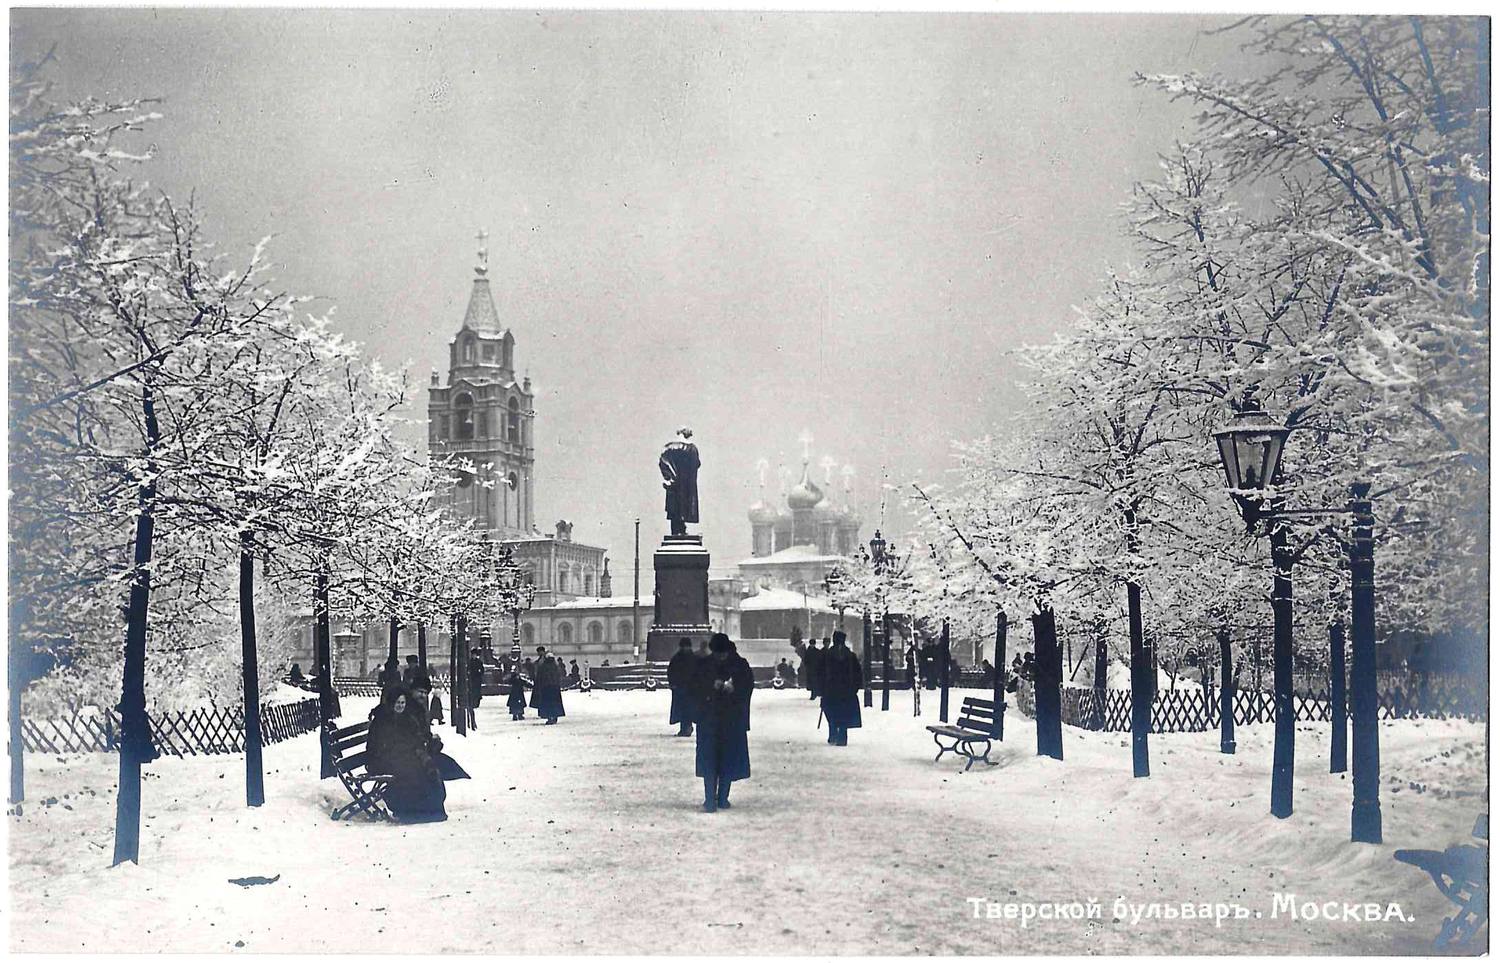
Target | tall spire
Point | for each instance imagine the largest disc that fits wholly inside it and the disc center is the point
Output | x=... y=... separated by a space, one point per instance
x=481 y=314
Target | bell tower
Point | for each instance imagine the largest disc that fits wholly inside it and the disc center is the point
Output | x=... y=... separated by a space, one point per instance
x=482 y=413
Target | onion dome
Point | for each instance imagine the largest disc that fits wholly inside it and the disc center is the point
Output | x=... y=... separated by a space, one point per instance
x=805 y=494
x=824 y=511
x=762 y=514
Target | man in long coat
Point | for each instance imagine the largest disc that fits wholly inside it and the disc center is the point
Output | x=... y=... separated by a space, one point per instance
x=840 y=688
x=546 y=693
x=680 y=676
x=724 y=684
x=812 y=658
x=679 y=473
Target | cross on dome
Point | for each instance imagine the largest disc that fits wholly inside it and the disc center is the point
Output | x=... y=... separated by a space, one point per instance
x=484 y=253
x=807 y=439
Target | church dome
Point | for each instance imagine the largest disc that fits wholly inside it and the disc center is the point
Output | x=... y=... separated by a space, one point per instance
x=804 y=494
x=762 y=514
x=824 y=511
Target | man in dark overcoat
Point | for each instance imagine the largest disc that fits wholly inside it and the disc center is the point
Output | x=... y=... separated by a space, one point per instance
x=812 y=658
x=546 y=694
x=840 y=688
x=681 y=671
x=476 y=684
x=724 y=685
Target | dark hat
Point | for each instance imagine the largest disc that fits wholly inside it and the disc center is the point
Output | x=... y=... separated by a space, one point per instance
x=541 y=648
x=720 y=643
x=684 y=643
x=839 y=637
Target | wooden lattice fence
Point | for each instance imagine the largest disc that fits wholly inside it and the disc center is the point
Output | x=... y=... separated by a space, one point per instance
x=211 y=731
x=1195 y=709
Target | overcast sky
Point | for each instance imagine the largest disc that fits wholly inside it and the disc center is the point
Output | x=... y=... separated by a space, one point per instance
x=753 y=224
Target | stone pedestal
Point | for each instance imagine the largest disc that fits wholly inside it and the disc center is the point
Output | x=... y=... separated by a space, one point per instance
x=681 y=596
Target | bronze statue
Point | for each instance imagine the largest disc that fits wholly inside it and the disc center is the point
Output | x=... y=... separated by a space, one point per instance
x=679 y=472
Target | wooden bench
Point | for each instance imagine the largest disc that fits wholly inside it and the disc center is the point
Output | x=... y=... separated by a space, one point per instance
x=1461 y=873
x=972 y=732
x=347 y=748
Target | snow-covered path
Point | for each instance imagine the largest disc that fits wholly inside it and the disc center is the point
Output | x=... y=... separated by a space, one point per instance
x=587 y=837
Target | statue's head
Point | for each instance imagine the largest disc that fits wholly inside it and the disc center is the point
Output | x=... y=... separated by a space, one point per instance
x=685 y=432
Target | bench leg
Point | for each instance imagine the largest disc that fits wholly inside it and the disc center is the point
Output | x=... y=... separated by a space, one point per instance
x=366 y=803
x=942 y=749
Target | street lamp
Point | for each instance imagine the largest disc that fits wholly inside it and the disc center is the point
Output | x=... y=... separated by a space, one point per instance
x=1250 y=448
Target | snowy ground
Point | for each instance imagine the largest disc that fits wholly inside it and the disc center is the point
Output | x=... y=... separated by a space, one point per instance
x=587 y=837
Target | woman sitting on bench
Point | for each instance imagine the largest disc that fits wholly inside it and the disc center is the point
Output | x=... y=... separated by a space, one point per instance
x=399 y=747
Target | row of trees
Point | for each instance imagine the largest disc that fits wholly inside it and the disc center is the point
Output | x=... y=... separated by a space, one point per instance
x=190 y=447
x=1320 y=251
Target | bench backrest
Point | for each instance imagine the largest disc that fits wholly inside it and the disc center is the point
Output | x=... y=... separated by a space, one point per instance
x=347 y=746
x=977 y=714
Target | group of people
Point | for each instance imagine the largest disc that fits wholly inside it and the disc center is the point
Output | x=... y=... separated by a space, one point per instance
x=832 y=674
x=546 y=683
x=403 y=747
x=712 y=690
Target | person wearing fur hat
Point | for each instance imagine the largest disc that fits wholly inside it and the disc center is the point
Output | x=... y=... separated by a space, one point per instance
x=724 y=685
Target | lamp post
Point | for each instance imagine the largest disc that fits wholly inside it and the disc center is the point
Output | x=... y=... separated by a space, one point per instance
x=1250 y=448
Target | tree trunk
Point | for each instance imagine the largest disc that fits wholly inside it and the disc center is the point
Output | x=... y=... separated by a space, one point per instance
x=1101 y=678
x=1338 y=760
x=17 y=743
x=328 y=707
x=869 y=669
x=1048 y=684
x=885 y=672
x=998 y=726
x=17 y=677
x=944 y=674
x=1226 y=693
x=393 y=657
x=1284 y=753
x=255 y=780
x=458 y=695
x=1141 y=688
x=136 y=748
x=422 y=645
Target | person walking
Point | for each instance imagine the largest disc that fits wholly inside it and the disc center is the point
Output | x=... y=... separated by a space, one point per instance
x=476 y=685
x=812 y=660
x=546 y=693
x=680 y=676
x=516 y=701
x=724 y=685
x=840 y=688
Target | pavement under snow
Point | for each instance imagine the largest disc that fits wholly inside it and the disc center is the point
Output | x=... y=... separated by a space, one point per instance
x=587 y=837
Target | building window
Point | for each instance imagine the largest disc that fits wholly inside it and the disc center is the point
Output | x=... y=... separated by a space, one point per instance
x=596 y=631
x=463 y=416
x=513 y=423
x=489 y=352
x=565 y=634
x=562 y=578
x=624 y=634
x=528 y=634
x=481 y=425
x=468 y=351
x=588 y=583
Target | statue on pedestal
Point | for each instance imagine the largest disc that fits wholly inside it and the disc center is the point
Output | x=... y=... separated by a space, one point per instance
x=679 y=471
